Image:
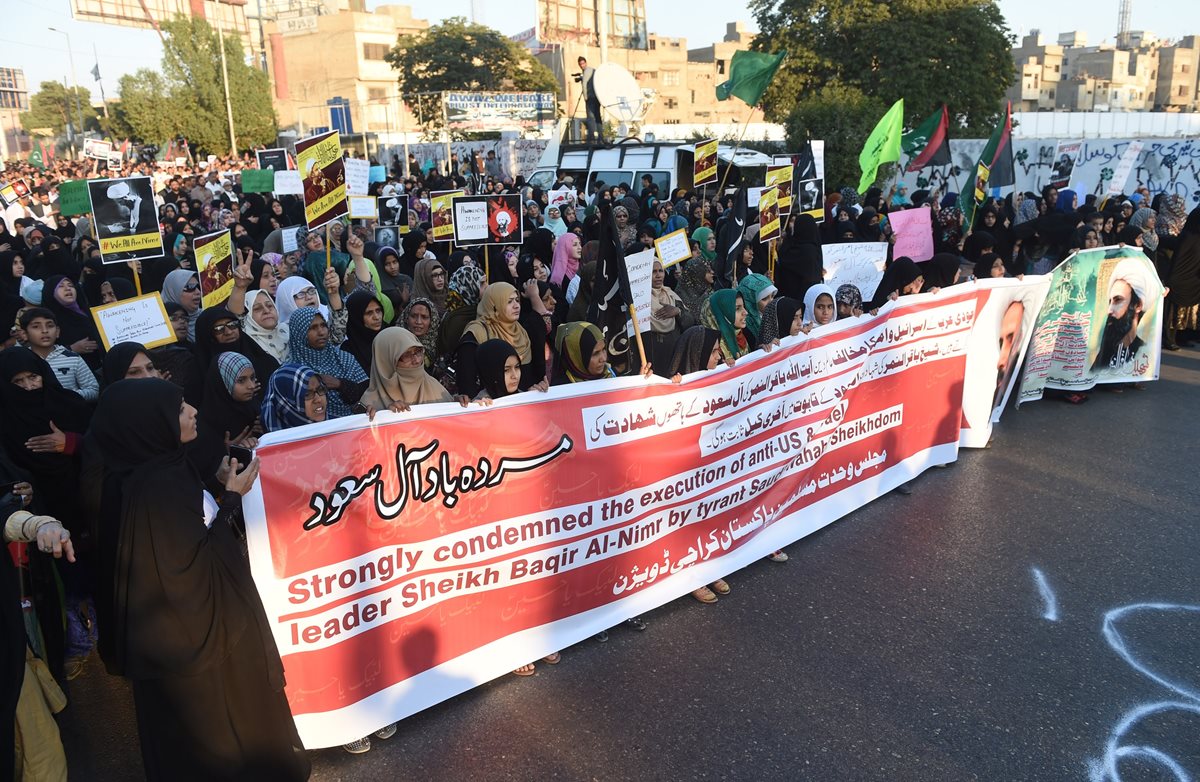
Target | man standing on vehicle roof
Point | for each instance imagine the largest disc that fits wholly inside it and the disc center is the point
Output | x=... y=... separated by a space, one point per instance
x=591 y=102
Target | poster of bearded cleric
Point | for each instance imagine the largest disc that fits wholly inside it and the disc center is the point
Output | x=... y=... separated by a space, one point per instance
x=1101 y=323
x=319 y=160
x=126 y=223
x=487 y=219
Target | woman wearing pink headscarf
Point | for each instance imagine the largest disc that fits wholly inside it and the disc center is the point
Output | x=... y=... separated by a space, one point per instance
x=567 y=252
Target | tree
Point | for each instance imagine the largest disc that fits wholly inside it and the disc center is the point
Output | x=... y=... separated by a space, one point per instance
x=194 y=97
x=52 y=108
x=843 y=117
x=458 y=55
x=928 y=52
x=146 y=111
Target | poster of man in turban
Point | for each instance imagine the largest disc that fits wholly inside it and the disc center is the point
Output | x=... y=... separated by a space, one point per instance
x=123 y=213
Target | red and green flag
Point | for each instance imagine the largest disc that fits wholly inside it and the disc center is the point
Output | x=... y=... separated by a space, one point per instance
x=929 y=143
x=993 y=169
x=750 y=74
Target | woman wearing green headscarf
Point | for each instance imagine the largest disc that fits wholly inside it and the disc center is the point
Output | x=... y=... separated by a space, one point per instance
x=725 y=312
x=582 y=354
x=757 y=292
x=707 y=240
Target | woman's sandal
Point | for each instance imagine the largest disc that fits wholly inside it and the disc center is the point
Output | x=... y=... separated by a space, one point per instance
x=552 y=659
x=720 y=587
x=705 y=595
x=525 y=670
x=778 y=556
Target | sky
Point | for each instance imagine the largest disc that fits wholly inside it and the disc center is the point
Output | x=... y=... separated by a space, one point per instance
x=26 y=43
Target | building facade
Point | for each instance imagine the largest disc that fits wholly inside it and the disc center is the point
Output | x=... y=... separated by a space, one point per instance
x=1147 y=74
x=315 y=58
x=14 y=98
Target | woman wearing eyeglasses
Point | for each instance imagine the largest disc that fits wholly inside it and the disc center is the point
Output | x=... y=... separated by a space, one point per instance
x=218 y=331
x=183 y=288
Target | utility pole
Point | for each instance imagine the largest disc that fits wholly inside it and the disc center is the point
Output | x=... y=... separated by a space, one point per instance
x=75 y=87
x=228 y=105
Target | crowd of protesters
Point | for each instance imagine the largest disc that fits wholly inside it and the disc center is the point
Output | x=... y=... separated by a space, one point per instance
x=121 y=467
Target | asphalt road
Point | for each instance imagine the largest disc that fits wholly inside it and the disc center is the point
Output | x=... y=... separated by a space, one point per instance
x=908 y=641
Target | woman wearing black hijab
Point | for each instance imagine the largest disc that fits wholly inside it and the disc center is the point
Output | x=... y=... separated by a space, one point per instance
x=178 y=361
x=1183 y=297
x=184 y=622
x=940 y=271
x=76 y=329
x=217 y=331
x=903 y=277
x=362 y=326
x=19 y=525
x=41 y=430
x=799 y=265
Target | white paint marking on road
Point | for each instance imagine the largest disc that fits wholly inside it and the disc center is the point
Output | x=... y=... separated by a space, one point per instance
x=1051 y=612
x=1114 y=751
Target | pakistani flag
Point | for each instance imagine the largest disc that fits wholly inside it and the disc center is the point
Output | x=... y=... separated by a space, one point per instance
x=750 y=74
x=929 y=143
x=35 y=159
x=883 y=145
x=993 y=169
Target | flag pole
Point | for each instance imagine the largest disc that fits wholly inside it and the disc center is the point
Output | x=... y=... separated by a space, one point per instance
x=637 y=332
x=745 y=127
x=328 y=259
x=487 y=264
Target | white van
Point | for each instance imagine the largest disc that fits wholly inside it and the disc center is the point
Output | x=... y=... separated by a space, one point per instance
x=669 y=164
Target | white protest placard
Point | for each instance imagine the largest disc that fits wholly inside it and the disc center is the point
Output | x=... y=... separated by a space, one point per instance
x=855 y=263
x=641 y=269
x=288 y=183
x=470 y=220
x=358 y=176
x=673 y=248
x=362 y=206
x=288 y=235
x=1116 y=185
x=753 y=195
x=96 y=149
x=143 y=319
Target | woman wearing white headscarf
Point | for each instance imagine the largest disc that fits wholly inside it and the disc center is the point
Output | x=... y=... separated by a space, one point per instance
x=261 y=322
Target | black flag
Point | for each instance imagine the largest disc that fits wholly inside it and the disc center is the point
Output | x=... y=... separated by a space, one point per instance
x=610 y=289
x=731 y=240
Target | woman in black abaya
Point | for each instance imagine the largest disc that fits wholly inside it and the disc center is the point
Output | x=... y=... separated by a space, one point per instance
x=185 y=622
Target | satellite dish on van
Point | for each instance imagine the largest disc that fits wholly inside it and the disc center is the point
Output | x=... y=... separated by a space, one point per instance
x=620 y=94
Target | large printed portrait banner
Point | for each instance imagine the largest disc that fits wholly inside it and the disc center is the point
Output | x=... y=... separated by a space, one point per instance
x=406 y=560
x=126 y=219
x=1101 y=323
x=323 y=172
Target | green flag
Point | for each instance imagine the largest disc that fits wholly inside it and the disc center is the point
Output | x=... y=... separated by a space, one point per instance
x=750 y=74
x=883 y=145
x=258 y=180
x=35 y=158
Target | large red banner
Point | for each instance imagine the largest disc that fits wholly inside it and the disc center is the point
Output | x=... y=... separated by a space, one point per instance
x=405 y=560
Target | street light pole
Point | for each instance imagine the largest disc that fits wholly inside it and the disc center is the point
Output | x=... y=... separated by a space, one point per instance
x=225 y=82
x=74 y=86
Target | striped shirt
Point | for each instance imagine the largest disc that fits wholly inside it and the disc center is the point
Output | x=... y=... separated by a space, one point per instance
x=73 y=373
